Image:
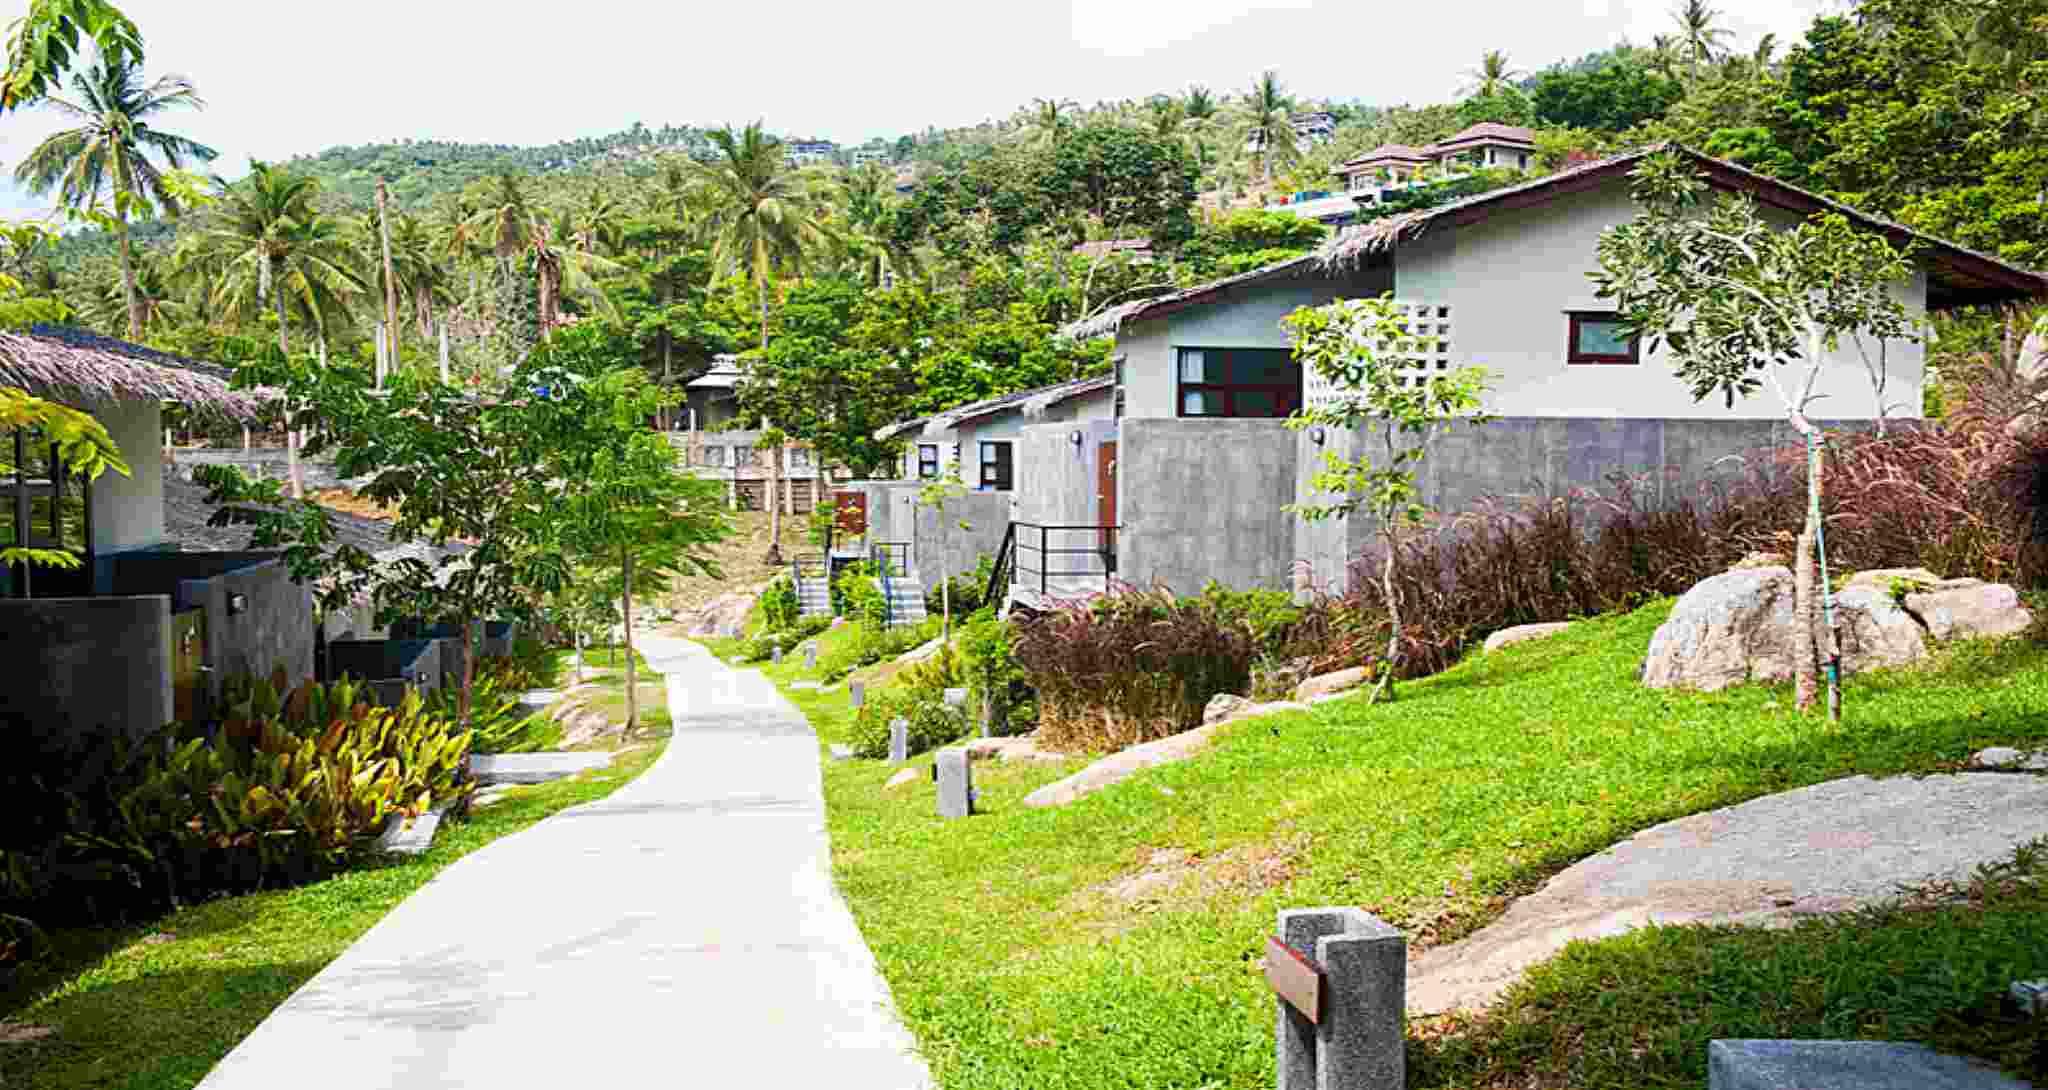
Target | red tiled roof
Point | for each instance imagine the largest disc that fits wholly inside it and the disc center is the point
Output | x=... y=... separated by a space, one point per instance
x=1400 y=153
x=1490 y=130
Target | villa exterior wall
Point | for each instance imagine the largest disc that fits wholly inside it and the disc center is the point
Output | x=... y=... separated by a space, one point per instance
x=85 y=666
x=1202 y=500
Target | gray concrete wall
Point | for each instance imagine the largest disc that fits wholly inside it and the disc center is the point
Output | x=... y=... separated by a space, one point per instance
x=86 y=665
x=275 y=629
x=943 y=547
x=417 y=661
x=1202 y=500
x=128 y=511
x=1527 y=458
x=1056 y=480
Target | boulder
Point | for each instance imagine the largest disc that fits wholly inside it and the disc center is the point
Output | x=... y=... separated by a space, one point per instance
x=1258 y=711
x=1523 y=633
x=1969 y=608
x=1726 y=630
x=1022 y=747
x=904 y=777
x=2008 y=759
x=1224 y=706
x=1875 y=631
x=1118 y=767
x=1327 y=684
x=1881 y=578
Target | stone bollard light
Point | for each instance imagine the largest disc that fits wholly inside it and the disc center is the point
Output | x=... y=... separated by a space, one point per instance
x=899 y=741
x=776 y=658
x=955 y=770
x=857 y=691
x=810 y=656
x=1340 y=980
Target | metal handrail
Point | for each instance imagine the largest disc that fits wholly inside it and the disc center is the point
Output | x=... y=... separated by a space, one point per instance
x=887 y=554
x=1104 y=549
x=999 y=577
x=880 y=556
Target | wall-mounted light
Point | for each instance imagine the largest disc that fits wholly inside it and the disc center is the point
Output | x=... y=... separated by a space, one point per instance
x=1074 y=437
x=1316 y=435
x=238 y=603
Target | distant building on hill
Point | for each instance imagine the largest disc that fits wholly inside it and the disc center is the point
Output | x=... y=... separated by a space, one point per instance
x=806 y=152
x=877 y=154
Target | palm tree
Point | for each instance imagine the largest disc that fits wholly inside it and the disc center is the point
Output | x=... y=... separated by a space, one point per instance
x=266 y=240
x=105 y=303
x=561 y=264
x=1167 y=117
x=421 y=273
x=1492 y=74
x=1268 y=126
x=762 y=216
x=1051 y=118
x=870 y=195
x=1200 y=104
x=504 y=217
x=108 y=154
x=1699 y=39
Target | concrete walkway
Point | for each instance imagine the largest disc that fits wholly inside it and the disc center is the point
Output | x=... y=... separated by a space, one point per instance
x=683 y=932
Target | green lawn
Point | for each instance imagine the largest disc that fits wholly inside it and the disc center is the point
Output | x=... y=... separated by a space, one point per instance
x=157 y=1006
x=1020 y=963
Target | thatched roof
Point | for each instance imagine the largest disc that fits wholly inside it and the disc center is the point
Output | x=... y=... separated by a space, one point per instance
x=1107 y=322
x=77 y=367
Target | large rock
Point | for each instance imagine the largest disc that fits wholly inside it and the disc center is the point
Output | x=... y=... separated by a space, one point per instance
x=1967 y=608
x=1882 y=578
x=1223 y=707
x=1329 y=684
x=1118 y=767
x=1845 y=1065
x=1726 y=630
x=1523 y=633
x=1737 y=627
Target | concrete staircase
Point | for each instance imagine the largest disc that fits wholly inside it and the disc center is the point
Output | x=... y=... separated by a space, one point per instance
x=906 y=600
x=813 y=591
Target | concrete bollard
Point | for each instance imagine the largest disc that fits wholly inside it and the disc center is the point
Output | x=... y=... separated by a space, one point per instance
x=956 y=783
x=810 y=656
x=899 y=741
x=956 y=698
x=1340 y=978
x=857 y=692
x=776 y=657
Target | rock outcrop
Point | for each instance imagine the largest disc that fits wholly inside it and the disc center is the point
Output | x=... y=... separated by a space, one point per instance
x=1737 y=626
x=1118 y=767
x=1523 y=633
x=1329 y=684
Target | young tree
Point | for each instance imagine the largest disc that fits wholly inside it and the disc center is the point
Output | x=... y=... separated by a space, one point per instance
x=81 y=441
x=1361 y=347
x=936 y=496
x=624 y=504
x=458 y=469
x=1742 y=306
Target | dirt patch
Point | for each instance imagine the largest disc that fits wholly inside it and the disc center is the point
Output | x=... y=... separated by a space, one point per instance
x=1168 y=877
x=738 y=561
x=17 y=1033
x=347 y=502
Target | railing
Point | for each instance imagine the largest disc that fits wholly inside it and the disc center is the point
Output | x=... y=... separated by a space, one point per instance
x=1041 y=559
x=882 y=562
x=1005 y=570
x=890 y=557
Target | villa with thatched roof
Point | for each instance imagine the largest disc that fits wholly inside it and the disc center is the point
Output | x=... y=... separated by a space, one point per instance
x=141 y=631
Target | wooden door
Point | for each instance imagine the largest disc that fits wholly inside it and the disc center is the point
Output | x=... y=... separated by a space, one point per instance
x=1105 y=501
x=188 y=659
x=850 y=511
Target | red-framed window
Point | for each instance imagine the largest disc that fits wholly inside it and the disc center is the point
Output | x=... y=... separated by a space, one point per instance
x=1237 y=382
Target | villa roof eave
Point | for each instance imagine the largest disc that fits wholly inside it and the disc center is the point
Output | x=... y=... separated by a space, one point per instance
x=74 y=365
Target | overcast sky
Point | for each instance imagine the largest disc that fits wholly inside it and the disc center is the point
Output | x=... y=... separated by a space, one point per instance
x=283 y=77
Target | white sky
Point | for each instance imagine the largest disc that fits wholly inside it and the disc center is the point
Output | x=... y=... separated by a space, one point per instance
x=284 y=77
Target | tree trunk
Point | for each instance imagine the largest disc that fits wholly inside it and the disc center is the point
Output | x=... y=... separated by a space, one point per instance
x=468 y=665
x=1384 y=690
x=133 y=297
x=632 y=677
x=390 y=275
x=1805 y=648
x=423 y=311
x=774 y=557
x=761 y=294
x=291 y=434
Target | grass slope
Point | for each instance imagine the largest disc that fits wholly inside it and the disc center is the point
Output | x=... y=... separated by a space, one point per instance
x=1115 y=942
x=155 y=1007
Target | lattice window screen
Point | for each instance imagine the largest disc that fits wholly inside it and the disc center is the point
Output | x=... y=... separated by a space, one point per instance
x=1428 y=354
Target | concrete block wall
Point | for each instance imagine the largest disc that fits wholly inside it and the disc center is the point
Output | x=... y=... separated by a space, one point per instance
x=1205 y=499
x=943 y=546
x=79 y=666
x=274 y=629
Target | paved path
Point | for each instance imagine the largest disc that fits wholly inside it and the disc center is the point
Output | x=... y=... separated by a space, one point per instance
x=1770 y=861
x=683 y=932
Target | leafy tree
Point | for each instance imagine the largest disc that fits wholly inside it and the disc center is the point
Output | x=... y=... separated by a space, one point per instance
x=1117 y=182
x=81 y=441
x=1505 y=106
x=456 y=469
x=107 y=154
x=764 y=215
x=1360 y=347
x=1744 y=306
x=935 y=496
x=42 y=44
x=1618 y=94
x=624 y=504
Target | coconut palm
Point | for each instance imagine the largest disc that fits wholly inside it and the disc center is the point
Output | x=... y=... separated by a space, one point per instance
x=107 y=154
x=1199 y=104
x=1051 y=118
x=870 y=198
x=164 y=305
x=762 y=215
x=561 y=264
x=422 y=274
x=1699 y=35
x=266 y=241
x=1493 y=73
x=1269 y=128
x=504 y=215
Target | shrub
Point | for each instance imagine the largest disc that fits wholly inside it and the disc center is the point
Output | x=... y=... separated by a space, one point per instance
x=1960 y=501
x=858 y=597
x=1131 y=667
x=763 y=646
x=870 y=643
x=917 y=696
x=779 y=607
x=988 y=665
x=498 y=721
x=288 y=786
x=967 y=590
